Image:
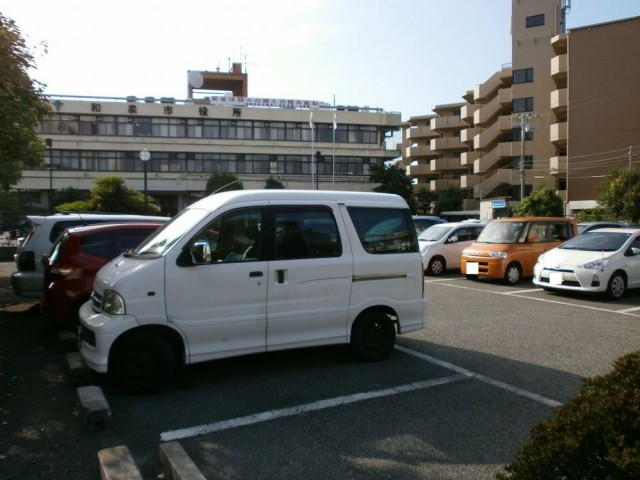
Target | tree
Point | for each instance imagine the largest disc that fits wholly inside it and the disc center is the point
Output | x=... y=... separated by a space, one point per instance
x=22 y=107
x=272 y=183
x=619 y=196
x=111 y=195
x=424 y=199
x=449 y=199
x=223 y=182
x=393 y=179
x=542 y=203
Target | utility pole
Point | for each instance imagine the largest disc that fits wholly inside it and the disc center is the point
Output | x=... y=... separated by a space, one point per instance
x=522 y=122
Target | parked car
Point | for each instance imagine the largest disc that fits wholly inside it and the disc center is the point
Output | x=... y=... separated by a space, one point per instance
x=76 y=257
x=584 y=227
x=441 y=245
x=604 y=260
x=422 y=222
x=27 y=279
x=508 y=248
x=329 y=268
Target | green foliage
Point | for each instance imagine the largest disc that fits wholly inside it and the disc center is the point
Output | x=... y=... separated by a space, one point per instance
x=449 y=199
x=619 y=196
x=596 y=214
x=22 y=107
x=542 y=203
x=223 y=182
x=272 y=183
x=596 y=435
x=393 y=179
x=69 y=194
x=111 y=195
x=9 y=207
x=424 y=199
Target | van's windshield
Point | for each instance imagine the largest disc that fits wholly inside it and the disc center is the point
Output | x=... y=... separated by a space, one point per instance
x=164 y=238
x=502 y=232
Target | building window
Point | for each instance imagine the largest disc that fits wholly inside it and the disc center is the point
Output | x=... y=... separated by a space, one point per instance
x=535 y=20
x=523 y=104
x=523 y=75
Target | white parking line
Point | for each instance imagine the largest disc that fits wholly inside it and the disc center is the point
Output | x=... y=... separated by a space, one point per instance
x=463 y=371
x=307 y=407
x=629 y=310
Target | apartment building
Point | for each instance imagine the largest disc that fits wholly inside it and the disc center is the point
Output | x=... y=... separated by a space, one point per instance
x=563 y=106
x=304 y=144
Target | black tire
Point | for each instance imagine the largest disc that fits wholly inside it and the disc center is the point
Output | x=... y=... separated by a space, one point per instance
x=617 y=286
x=437 y=266
x=142 y=363
x=373 y=336
x=512 y=274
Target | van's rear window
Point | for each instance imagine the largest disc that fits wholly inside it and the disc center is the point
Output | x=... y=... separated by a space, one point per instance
x=384 y=230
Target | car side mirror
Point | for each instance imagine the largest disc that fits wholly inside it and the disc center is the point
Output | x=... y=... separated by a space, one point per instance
x=631 y=251
x=453 y=239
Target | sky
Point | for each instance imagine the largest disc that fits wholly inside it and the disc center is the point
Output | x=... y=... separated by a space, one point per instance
x=403 y=56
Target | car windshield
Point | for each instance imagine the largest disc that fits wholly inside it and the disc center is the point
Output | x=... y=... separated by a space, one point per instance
x=171 y=233
x=595 y=241
x=501 y=232
x=434 y=233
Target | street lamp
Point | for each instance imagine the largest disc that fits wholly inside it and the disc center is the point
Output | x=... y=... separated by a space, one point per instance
x=145 y=156
x=49 y=143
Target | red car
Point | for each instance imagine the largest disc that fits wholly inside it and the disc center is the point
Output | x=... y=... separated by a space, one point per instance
x=76 y=257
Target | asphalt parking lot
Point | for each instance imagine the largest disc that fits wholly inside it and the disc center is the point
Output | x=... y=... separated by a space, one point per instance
x=454 y=401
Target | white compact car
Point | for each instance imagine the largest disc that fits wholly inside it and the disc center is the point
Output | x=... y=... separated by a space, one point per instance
x=441 y=245
x=600 y=261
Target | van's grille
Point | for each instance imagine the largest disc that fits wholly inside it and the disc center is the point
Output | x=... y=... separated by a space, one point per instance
x=96 y=301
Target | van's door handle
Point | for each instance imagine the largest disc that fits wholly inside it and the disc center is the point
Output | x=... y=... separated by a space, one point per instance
x=280 y=276
x=255 y=274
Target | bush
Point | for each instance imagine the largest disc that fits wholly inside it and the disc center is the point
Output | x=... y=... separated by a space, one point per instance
x=596 y=435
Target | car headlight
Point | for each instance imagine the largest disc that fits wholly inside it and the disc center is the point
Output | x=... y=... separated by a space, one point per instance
x=498 y=254
x=596 y=264
x=112 y=303
x=540 y=258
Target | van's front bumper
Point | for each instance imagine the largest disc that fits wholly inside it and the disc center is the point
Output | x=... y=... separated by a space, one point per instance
x=96 y=334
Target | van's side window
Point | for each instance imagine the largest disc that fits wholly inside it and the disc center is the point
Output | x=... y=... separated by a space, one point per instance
x=234 y=237
x=384 y=230
x=306 y=233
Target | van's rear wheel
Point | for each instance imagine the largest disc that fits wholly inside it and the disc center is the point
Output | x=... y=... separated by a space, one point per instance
x=142 y=363
x=512 y=274
x=373 y=336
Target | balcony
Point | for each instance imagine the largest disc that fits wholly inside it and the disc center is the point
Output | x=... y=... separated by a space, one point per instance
x=467 y=158
x=488 y=89
x=466 y=112
x=558 y=134
x=439 y=165
x=468 y=181
x=559 y=69
x=467 y=135
x=446 y=143
x=559 y=100
x=488 y=161
x=451 y=122
x=441 y=185
x=420 y=169
x=559 y=43
x=499 y=178
x=417 y=133
x=558 y=166
x=417 y=152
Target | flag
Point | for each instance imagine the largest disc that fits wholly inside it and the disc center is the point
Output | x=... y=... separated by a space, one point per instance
x=311 y=120
x=335 y=120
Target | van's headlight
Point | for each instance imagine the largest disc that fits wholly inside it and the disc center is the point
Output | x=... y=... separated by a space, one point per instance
x=112 y=303
x=498 y=254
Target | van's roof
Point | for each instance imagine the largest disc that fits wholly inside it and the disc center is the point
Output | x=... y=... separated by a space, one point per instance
x=279 y=195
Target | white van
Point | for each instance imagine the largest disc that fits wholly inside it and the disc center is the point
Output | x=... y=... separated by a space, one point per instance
x=255 y=271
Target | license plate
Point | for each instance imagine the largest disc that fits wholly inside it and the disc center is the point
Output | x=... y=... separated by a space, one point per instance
x=472 y=268
x=556 y=278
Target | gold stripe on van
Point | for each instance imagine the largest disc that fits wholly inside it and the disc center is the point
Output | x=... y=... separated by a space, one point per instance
x=379 y=276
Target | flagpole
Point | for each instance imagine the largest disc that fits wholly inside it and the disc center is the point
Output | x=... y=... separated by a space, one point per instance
x=333 y=163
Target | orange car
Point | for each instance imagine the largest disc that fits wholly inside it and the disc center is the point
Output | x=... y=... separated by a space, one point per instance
x=508 y=248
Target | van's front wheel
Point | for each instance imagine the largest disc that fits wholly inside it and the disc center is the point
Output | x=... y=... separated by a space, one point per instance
x=373 y=336
x=512 y=274
x=142 y=363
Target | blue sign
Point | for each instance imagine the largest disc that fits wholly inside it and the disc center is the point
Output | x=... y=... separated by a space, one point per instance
x=498 y=203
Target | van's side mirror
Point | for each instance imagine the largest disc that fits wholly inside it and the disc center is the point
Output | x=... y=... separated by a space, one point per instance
x=631 y=251
x=453 y=239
